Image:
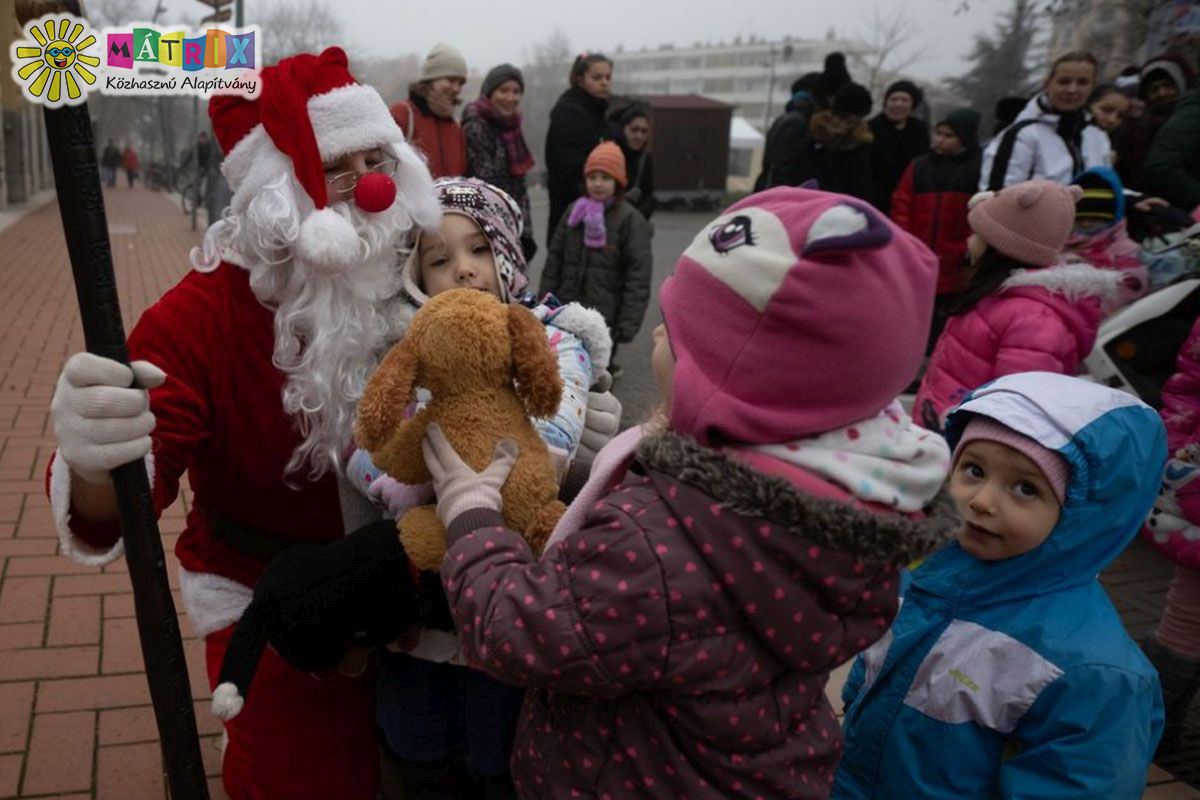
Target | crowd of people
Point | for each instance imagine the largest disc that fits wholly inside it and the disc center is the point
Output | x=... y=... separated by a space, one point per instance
x=781 y=513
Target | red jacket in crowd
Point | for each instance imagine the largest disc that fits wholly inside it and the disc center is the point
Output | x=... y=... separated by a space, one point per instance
x=931 y=204
x=440 y=139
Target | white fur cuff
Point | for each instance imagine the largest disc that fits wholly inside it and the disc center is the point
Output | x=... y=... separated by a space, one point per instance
x=60 y=506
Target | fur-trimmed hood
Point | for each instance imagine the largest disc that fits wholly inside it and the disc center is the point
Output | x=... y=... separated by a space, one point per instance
x=838 y=133
x=889 y=538
x=1073 y=280
x=780 y=553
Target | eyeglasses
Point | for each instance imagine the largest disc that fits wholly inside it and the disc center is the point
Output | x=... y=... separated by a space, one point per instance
x=346 y=181
x=56 y=51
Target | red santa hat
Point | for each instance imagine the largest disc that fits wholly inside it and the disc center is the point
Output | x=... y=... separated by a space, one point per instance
x=310 y=110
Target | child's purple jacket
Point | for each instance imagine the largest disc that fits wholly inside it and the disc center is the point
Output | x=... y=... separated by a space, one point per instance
x=678 y=644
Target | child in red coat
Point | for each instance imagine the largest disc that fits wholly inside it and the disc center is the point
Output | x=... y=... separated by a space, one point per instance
x=931 y=202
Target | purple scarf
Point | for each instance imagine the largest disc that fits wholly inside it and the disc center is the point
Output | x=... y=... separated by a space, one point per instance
x=591 y=212
x=520 y=160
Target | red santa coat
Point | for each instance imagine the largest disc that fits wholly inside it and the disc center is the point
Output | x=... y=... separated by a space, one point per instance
x=220 y=417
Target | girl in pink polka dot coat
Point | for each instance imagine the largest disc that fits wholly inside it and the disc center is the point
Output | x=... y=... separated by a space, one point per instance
x=677 y=633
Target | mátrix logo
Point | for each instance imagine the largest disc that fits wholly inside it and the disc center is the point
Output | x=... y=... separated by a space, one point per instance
x=51 y=65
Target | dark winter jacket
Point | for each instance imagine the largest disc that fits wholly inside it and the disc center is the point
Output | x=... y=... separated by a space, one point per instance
x=931 y=204
x=1172 y=168
x=1131 y=142
x=639 y=170
x=678 y=644
x=785 y=137
x=440 y=139
x=111 y=157
x=577 y=125
x=487 y=159
x=892 y=151
x=615 y=281
x=837 y=154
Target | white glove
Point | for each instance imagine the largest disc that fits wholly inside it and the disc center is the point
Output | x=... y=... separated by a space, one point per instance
x=458 y=487
x=99 y=420
x=602 y=421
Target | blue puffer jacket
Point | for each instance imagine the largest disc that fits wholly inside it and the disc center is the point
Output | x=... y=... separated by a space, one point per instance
x=1015 y=678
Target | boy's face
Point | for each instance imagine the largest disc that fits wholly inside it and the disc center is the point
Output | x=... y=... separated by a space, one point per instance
x=600 y=185
x=459 y=256
x=946 y=141
x=1007 y=504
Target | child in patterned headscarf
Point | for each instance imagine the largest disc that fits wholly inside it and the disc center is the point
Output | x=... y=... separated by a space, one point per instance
x=431 y=709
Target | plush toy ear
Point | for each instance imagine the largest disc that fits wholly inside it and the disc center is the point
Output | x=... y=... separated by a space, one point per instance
x=539 y=384
x=388 y=393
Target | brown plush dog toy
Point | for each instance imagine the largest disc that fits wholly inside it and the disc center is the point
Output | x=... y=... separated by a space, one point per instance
x=489 y=368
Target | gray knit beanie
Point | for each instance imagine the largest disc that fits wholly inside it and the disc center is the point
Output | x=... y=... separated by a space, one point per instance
x=498 y=75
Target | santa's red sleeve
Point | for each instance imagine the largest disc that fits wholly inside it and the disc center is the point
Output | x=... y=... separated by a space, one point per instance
x=172 y=335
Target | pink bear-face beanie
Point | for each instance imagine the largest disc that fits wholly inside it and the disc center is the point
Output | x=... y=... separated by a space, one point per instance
x=793 y=313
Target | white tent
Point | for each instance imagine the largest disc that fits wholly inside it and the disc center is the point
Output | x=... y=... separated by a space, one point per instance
x=743 y=135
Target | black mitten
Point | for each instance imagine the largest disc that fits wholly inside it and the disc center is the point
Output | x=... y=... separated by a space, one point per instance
x=314 y=602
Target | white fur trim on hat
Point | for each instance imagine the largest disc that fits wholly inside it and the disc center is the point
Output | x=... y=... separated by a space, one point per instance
x=327 y=242
x=350 y=118
x=254 y=162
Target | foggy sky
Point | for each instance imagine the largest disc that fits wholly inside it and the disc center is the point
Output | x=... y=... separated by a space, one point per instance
x=489 y=32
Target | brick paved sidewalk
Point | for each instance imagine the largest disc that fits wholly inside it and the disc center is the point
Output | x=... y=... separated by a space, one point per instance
x=75 y=720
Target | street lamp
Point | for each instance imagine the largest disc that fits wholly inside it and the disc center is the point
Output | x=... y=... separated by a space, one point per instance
x=786 y=52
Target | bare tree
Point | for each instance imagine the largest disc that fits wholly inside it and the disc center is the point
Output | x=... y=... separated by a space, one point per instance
x=390 y=76
x=1001 y=63
x=296 y=27
x=893 y=44
x=546 y=65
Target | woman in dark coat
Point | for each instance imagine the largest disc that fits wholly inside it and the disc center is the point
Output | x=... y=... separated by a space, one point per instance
x=577 y=125
x=631 y=126
x=496 y=147
x=837 y=153
x=899 y=138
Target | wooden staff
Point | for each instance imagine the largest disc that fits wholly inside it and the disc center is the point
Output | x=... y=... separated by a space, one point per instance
x=81 y=204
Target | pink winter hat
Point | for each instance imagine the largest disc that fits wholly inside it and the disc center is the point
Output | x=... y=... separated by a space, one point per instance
x=1027 y=221
x=793 y=313
x=1053 y=466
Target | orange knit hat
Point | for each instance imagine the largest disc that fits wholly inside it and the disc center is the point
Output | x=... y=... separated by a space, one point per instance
x=607 y=158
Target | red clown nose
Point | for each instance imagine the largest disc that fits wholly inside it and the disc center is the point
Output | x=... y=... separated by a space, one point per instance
x=375 y=192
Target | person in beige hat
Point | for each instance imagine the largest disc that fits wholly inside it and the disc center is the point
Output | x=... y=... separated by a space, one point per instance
x=427 y=116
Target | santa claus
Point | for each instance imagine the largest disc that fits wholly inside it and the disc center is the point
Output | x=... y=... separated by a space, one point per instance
x=254 y=363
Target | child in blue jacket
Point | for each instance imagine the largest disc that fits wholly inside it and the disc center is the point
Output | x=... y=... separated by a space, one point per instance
x=1007 y=672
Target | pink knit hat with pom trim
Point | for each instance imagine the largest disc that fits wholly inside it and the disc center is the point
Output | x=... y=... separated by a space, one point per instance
x=1027 y=221
x=1053 y=466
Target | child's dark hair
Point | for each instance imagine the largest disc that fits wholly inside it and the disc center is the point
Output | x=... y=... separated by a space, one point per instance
x=992 y=269
x=583 y=62
x=1102 y=91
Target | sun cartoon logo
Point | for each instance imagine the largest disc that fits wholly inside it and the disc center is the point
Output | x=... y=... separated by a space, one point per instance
x=56 y=65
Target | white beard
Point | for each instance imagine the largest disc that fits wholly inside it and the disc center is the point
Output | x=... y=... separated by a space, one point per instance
x=330 y=329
